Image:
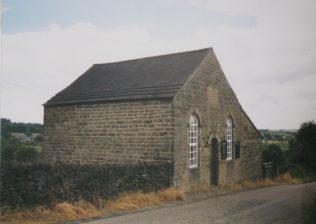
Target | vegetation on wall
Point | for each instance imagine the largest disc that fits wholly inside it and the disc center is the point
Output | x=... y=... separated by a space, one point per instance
x=32 y=184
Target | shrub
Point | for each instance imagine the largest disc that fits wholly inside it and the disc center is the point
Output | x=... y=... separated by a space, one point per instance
x=294 y=169
x=25 y=153
x=273 y=153
x=302 y=149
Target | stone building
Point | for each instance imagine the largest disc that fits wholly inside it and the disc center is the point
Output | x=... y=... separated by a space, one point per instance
x=176 y=108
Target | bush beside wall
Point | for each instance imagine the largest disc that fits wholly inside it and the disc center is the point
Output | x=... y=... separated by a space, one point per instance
x=31 y=184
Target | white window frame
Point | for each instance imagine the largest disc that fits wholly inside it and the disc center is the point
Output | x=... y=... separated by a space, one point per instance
x=193 y=141
x=229 y=138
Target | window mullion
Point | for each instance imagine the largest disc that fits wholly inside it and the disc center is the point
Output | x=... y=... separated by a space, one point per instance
x=193 y=142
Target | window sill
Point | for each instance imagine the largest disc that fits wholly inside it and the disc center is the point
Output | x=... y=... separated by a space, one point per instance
x=193 y=168
x=227 y=161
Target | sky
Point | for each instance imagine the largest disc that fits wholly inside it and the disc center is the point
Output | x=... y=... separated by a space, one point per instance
x=267 y=49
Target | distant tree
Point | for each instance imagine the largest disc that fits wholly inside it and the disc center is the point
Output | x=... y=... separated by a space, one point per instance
x=12 y=148
x=267 y=136
x=273 y=153
x=39 y=138
x=18 y=127
x=23 y=127
x=8 y=147
x=5 y=128
x=28 y=132
x=35 y=128
x=278 y=137
x=302 y=149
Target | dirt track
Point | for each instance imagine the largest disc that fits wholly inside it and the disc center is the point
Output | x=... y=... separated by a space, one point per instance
x=281 y=204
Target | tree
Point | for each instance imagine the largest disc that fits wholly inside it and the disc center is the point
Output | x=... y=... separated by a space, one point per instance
x=5 y=128
x=12 y=148
x=273 y=153
x=302 y=149
x=39 y=138
x=25 y=153
x=278 y=137
x=28 y=132
x=8 y=148
x=267 y=136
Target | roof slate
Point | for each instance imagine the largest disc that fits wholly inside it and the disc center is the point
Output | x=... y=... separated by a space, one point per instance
x=145 y=78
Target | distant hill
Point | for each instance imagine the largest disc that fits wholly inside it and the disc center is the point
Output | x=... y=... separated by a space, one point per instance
x=278 y=135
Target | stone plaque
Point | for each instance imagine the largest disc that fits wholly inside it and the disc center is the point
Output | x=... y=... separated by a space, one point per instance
x=212 y=96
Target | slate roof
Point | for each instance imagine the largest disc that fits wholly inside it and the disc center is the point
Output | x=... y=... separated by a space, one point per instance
x=145 y=78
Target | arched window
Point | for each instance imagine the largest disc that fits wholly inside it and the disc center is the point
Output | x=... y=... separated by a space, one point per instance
x=229 y=138
x=193 y=141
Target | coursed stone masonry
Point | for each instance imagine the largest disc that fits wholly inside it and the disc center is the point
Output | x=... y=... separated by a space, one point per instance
x=110 y=133
x=209 y=95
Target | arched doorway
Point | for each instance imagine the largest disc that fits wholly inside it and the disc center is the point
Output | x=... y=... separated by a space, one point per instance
x=214 y=162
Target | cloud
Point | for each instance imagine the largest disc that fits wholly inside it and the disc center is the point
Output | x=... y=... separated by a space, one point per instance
x=226 y=6
x=271 y=66
x=36 y=65
x=5 y=9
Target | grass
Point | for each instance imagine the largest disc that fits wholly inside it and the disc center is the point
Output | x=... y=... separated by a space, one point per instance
x=284 y=145
x=38 y=148
x=138 y=200
x=126 y=202
x=82 y=210
x=286 y=178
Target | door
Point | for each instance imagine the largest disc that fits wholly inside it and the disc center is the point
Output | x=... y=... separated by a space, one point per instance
x=214 y=162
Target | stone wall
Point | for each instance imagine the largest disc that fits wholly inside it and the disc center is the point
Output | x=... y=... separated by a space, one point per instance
x=109 y=133
x=251 y=158
x=31 y=184
x=208 y=95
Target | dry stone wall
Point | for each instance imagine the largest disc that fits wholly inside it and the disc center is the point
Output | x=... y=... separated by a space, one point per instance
x=32 y=184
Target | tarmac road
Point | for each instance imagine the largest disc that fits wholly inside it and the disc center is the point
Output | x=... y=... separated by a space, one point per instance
x=281 y=204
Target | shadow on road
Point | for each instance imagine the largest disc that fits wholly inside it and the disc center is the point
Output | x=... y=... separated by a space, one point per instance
x=309 y=204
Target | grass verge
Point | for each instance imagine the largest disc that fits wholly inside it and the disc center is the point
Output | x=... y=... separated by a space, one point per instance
x=124 y=202
x=286 y=178
x=82 y=210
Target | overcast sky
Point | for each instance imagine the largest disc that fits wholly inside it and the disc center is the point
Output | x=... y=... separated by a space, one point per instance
x=267 y=49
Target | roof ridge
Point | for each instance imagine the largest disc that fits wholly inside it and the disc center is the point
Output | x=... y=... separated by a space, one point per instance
x=154 y=56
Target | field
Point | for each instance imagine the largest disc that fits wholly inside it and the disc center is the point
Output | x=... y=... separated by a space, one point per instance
x=278 y=137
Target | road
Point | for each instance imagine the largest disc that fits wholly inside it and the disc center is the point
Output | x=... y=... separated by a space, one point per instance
x=281 y=204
